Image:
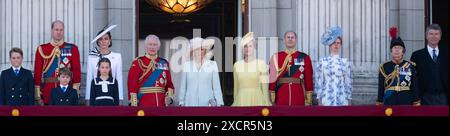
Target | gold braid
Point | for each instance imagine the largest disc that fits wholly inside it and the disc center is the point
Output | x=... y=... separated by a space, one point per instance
x=285 y=63
x=55 y=53
x=146 y=68
x=389 y=78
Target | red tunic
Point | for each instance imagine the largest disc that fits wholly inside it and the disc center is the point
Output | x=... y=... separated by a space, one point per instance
x=48 y=59
x=156 y=81
x=298 y=67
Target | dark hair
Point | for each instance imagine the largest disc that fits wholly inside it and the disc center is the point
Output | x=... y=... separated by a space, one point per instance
x=57 y=21
x=290 y=32
x=340 y=38
x=65 y=71
x=104 y=60
x=434 y=27
x=16 y=50
x=109 y=34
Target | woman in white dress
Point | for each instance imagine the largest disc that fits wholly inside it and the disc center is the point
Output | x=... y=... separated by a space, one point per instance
x=200 y=83
x=102 y=50
x=333 y=77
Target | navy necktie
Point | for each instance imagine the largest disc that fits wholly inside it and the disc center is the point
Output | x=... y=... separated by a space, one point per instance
x=434 y=55
x=64 y=89
x=16 y=71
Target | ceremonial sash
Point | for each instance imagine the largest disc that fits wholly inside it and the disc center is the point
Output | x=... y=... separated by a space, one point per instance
x=52 y=68
x=150 y=82
x=54 y=65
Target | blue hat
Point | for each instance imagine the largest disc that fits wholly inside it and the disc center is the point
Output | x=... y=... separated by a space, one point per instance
x=331 y=35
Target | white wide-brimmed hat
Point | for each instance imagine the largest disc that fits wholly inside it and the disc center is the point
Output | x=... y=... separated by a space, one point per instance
x=103 y=33
x=198 y=42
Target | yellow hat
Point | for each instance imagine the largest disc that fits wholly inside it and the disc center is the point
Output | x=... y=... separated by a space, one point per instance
x=247 y=38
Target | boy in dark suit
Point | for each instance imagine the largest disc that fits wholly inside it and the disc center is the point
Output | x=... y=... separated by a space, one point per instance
x=64 y=94
x=16 y=83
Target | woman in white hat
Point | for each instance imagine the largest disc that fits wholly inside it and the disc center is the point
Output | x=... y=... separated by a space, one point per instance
x=200 y=83
x=104 y=43
x=250 y=77
x=333 y=77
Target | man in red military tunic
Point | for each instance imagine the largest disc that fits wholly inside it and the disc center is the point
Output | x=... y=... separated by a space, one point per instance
x=291 y=73
x=49 y=58
x=149 y=79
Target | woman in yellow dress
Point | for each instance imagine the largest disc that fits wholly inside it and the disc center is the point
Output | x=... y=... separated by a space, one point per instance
x=250 y=77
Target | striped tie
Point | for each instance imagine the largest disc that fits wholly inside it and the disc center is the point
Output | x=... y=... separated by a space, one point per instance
x=434 y=55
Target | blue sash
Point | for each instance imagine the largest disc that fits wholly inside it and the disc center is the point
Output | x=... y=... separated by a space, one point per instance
x=55 y=62
x=151 y=80
x=52 y=68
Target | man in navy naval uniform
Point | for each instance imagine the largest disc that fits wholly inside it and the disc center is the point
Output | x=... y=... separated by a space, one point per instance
x=16 y=83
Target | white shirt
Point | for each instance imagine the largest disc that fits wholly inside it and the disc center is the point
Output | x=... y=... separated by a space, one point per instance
x=66 y=86
x=14 y=68
x=116 y=67
x=430 y=51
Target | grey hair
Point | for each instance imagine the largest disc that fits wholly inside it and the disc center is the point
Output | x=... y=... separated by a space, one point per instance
x=434 y=27
x=152 y=36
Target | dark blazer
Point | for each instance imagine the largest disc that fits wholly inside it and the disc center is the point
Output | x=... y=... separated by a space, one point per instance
x=16 y=90
x=424 y=62
x=58 y=97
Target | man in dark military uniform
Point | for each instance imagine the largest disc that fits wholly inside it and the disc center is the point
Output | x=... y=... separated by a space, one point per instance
x=397 y=81
x=16 y=83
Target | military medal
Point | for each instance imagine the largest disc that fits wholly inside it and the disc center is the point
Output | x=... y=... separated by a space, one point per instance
x=296 y=62
x=164 y=74
x=65 y=60
x=407 y=77
x=302 y=76
x=161 y=80
x=403 y=83
x=61 y=66
x=301 y=68
x=302 y=62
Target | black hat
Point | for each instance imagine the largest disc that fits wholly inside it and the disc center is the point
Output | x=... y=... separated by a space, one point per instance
x=395 y=40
